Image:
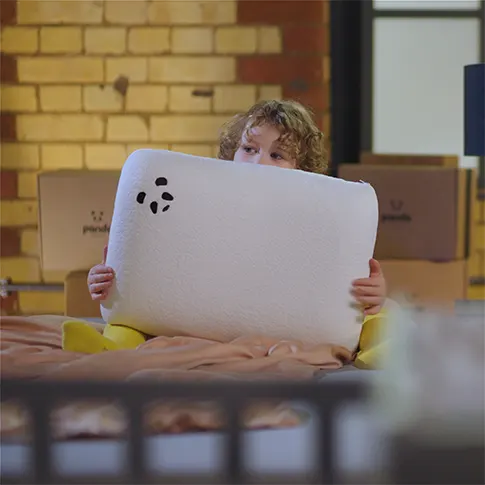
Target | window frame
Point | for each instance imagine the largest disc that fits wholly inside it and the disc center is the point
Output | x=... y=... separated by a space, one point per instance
x=368 y=15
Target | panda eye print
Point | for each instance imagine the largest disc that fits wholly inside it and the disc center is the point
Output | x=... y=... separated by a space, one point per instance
x=165 y=196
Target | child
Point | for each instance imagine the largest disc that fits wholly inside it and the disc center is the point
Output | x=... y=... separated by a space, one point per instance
x=282 y=134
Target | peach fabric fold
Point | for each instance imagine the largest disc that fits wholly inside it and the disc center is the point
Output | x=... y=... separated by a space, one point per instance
x=31 y=348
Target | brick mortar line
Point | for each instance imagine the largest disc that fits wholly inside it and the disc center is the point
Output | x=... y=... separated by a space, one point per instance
x=137 y=114
x=185 y=84
x=171 y=25
x=165 y=55
x=75 y=143
x=37 y=96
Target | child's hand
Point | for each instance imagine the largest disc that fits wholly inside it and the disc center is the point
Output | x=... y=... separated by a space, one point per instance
x=371 y=292
x=100 y=279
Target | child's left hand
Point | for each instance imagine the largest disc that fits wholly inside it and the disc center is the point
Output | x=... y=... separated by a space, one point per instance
x=371 y=291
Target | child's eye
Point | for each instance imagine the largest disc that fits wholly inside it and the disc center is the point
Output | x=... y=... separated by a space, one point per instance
x=276 y=156
x=249 y=150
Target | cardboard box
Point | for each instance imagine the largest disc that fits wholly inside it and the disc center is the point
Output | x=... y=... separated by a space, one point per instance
x=78 y=302
x=425 y=212
x=75 y=211
x=388 y=159
x=425 y=283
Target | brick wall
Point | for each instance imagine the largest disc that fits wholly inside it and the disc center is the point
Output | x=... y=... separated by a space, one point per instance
x=84 y=83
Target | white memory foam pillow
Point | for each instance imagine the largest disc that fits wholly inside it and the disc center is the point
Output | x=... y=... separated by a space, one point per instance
x=218 y=249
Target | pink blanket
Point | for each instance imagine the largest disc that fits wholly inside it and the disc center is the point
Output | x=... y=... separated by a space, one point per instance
x=31 y=348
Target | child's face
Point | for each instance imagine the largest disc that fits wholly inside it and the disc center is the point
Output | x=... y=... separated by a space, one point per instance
x=261 y=146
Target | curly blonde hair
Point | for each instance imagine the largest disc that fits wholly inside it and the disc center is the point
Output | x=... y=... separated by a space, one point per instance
x=298 y=133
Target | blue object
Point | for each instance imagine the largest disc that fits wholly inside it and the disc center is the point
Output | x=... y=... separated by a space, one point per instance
x=475 y=110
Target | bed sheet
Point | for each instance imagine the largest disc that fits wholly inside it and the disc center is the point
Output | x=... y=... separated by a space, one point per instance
x=360 y=446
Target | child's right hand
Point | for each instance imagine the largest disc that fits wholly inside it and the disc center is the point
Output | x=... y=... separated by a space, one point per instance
x=100 y=279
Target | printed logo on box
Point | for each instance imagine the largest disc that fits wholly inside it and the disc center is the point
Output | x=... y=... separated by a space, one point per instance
x=397 y=213
x=96 y=226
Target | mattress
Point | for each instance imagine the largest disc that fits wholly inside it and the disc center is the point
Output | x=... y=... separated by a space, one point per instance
x=360 y=446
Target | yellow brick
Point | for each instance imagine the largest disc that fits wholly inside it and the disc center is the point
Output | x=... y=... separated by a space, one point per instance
x=127 y=128
x=192 y=40
x=105 y=40
x=190 y=69
x=29 y=242
x=129 y=12
x=61 y=156
x=134 y=68
x=150 y=146
x=475 y=213
x=60 y=99
x=22 y=270
x=270 y=40
x=185 y=129
x=61 y=40
x=476 y=292
x=54 y=276
x=236 y=40
x=105 y=157
x=59 y=127
x=270 y=92
x=191 y=12
x=480 y=211
x=215 y=151
x=476 y=264
x=199 y=150
x=181 y=100
x=18 y=212
x=59 y=12
x=228 y=99
x=18 y=98
x=479 y=237
x=60 y=69
x=19 y=40
x=102 y=98
x=41 y=303
x=27 y=185
x=147 y=98
x=149 y=40
x=20 y=156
